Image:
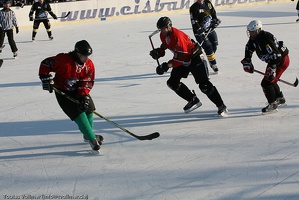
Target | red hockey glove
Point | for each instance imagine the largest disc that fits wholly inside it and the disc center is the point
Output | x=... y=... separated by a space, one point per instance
x=247 y=65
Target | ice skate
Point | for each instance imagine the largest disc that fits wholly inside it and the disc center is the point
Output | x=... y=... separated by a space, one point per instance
x=94 y=144
x=193 y=104
x=99 y=138
x=215 y=68
x=281 y=101
x=271 y=108
x=15 y=54
x=297 y=20
x=222 y=110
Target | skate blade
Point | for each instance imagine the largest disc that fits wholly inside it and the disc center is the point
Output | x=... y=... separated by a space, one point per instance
x=193 y=108
x=224 y=113
x=270 y=112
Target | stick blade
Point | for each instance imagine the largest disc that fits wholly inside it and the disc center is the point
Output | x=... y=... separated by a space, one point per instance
x=296 y=83
x=149 y=137
x=154 y=33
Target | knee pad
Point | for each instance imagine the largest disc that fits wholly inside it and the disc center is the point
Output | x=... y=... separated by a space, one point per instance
x=173 y=84
x=206 y=88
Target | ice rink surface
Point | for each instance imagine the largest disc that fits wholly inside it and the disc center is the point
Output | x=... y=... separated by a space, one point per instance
x=199 y=156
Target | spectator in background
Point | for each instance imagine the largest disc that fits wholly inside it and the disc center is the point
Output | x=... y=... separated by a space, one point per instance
x=8 y=21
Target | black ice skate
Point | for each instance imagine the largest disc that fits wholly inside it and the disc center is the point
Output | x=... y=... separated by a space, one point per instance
x=222 y=110
x=99 y=138
x=271 y=108
x=215 y=68
x=281 y=101
x=94 y=144
x=193 y=104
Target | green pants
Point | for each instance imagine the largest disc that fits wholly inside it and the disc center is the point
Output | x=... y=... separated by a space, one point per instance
x=85 y=124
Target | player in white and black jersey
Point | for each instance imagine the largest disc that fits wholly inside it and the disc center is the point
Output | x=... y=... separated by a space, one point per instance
x=8 y=21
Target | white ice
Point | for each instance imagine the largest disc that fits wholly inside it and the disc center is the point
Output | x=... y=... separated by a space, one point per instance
x=198 y=155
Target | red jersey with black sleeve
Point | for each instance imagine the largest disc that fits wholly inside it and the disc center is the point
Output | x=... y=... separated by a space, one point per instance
x=181 y=46
x=69 y=75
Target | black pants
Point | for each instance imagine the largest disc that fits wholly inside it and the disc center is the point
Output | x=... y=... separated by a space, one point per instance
x=200 y=75
x=69 y=107
x=11 y=40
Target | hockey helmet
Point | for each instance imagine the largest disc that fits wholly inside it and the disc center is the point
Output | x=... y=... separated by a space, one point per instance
x=82 y=47
x=254 y=25
x=6 y=2
x=163 y=22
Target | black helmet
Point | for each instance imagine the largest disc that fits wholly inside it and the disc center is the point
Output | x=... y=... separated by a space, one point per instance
x=82 y=47
x=163 y=22
x=6 y=2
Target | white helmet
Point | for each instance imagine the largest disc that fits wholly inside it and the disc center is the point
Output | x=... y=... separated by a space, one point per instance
x=254 y=25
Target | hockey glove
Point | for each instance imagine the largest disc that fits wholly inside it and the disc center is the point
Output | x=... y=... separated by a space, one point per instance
x=17 y=30
x=157 y=53
x=30 y=18
x=83 y=103
x=215 y=23
x=47 y=82
x=270 y=73
x=54 y=16
x=247 y=65
x=162 y=68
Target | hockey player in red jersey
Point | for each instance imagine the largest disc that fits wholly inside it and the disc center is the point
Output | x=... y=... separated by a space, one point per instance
x=186 y=58
x=275 y=54
x=74 y=75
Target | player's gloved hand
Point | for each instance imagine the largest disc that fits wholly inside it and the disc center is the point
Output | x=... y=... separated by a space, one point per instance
x=54 y=16
x=247 y=65
x=31 y=18
x=215 y=23
x=83 y=103
x=47 y=82
x=162 y=68
x=270 y=72
x=17 y=30
x=157 y=53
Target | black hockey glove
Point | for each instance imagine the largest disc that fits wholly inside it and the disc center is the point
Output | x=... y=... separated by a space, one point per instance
x=31 y=18
x=270 y=72
x=162 y=68
x=215 y=23
x=83 y=103
x=47 y=82
x=247 y=65
x=157 y=53
x=54 y=16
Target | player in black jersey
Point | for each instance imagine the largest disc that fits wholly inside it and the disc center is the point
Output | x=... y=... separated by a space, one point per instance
x=275 y=54
x=41 y=8
x=204 y=21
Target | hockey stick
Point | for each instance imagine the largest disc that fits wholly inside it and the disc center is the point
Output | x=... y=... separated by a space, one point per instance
x=145 y=137
x=150 y=38
x=291 y=84
x=67 y=14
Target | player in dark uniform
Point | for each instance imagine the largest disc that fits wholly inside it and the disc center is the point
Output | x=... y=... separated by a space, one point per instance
x=275 y=54
x=186 y=58
x=74 y=75
x=41 y=8
x=297 y=8
x=204 y=21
